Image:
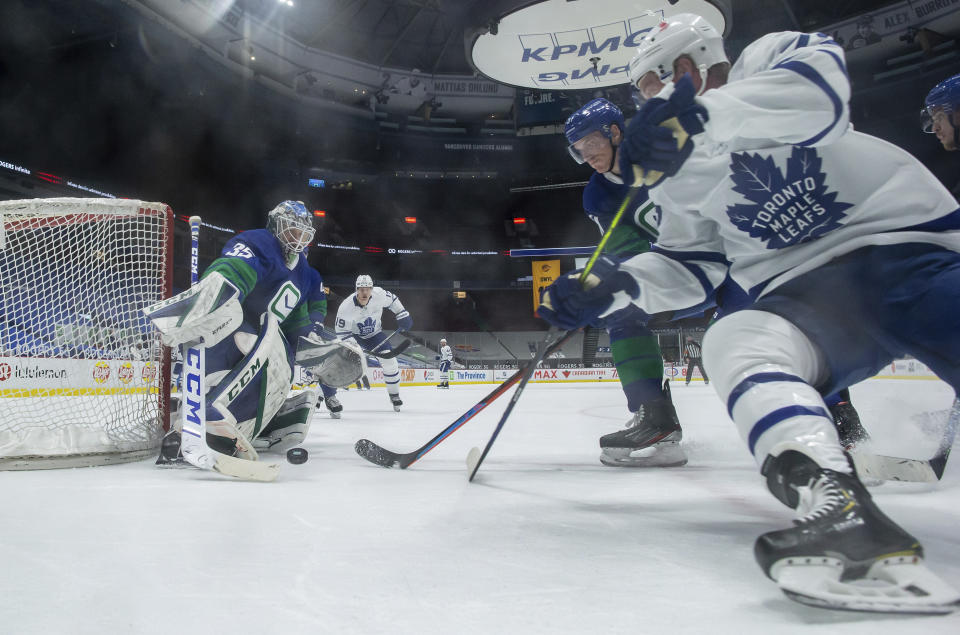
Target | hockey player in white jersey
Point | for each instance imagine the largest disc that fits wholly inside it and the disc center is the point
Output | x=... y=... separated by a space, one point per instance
x=848 y=247
x=360 y=316
x=445 y=357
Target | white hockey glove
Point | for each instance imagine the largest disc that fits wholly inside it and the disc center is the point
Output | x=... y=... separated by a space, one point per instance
x=336 y=363
x=208 y=311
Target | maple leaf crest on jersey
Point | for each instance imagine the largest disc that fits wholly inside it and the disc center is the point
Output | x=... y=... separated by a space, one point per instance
x=787 y=209
x=367 y=327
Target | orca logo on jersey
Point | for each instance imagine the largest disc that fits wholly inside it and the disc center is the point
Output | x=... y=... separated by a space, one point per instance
x=367 y=328
x=784 y=210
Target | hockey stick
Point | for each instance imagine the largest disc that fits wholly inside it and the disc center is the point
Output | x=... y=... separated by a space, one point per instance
x=194 y=416
x=892 y=468
x=475 y=457
x=381 y=456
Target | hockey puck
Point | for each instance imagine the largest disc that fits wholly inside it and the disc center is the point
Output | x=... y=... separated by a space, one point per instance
x=297 y=455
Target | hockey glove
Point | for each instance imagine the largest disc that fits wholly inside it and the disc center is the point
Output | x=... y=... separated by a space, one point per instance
x=404 y=323
x=657 y=141
x=569 y=305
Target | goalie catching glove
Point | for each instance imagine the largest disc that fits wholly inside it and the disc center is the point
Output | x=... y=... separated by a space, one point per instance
x=336 y=363
x=568 y=304
x=208 y=311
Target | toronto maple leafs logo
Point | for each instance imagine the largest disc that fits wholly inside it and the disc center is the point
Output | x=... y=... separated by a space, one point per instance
x=367 y=327
x=786 y=209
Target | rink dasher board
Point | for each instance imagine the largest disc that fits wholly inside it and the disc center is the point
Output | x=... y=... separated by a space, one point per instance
x=44 y=377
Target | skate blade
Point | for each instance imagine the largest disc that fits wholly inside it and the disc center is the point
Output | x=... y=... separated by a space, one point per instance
x=658 y=455
x=894 y=585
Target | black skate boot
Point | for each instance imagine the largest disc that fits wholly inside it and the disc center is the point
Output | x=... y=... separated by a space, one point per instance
x=395 y=400
x=170 y=453
x=334 y=407
x=843 y=552
x=848 y=425
x=652 y=437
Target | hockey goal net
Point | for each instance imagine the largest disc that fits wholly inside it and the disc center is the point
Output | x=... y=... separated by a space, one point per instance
x=84 y=379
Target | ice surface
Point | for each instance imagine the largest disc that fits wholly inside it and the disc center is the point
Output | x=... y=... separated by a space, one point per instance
x=546 y=540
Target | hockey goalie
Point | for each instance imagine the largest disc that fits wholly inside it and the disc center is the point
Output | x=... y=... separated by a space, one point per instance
x=258 y=308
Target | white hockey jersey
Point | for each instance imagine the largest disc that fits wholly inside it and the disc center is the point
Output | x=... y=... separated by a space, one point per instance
x=365 y=321
x=446 y=353
x=779 y=183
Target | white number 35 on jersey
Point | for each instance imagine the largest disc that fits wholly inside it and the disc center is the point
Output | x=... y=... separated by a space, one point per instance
x=240 y=251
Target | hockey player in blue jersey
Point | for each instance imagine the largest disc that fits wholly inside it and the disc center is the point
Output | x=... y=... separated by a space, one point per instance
x=250 y=308
x=849 y=247
x=941 y=115
x=653 y=433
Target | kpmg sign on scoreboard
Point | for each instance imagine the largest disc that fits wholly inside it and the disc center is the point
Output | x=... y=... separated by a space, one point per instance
x=561 y=45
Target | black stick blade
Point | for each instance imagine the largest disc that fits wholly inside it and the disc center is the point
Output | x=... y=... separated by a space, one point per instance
x=375 y=454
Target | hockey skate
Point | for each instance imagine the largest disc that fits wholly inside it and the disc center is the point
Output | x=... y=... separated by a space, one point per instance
x=848 y=425
x=651 y=439
x=396 y=401
x=443 y=384
x=334 y=407
x=843 y=552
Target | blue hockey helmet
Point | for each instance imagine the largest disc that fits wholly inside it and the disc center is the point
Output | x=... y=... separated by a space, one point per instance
x=945 y=97
x=292 y=224
x=598 y=114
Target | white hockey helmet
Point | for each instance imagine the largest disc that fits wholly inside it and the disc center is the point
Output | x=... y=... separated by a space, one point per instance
x=363 y=280
x=679 y=34
x=292 y=224
x=443 y=340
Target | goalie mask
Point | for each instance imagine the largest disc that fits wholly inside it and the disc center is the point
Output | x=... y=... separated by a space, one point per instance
x=292 y=224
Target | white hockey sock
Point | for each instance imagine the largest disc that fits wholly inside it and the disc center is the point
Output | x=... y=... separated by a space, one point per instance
x=762 y=367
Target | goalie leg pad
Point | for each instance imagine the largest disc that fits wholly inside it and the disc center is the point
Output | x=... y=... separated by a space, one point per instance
x=253 y=392
x=337 y=363
x=290 y=425
x=208 y=311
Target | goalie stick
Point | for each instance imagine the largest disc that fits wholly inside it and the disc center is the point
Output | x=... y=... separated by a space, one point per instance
x=381 y=456
x=193 y=410
x=475 y=457
x=892 y=468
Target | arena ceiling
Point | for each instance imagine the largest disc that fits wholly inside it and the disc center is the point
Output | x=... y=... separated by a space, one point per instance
x=429 y=35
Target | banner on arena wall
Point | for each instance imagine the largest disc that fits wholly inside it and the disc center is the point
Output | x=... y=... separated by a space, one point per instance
x=894 y=20
x=544 y=273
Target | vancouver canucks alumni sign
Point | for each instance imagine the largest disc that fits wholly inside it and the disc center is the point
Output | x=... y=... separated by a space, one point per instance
x=576 y=44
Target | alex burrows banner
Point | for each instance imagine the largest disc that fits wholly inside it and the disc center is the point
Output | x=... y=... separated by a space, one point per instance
x=558 y=44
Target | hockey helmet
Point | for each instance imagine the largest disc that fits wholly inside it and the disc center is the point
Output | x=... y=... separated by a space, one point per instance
x=363 y=280
x=598 y=114
x=944 y=97
x=292 y=224
x=443 y=340
x=679 y=34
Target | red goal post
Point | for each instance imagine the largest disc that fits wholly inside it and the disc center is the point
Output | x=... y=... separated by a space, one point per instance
x=84 y=378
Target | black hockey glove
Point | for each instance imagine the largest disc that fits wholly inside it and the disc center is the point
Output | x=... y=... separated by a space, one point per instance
x=651 y=142
x=569 y=305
